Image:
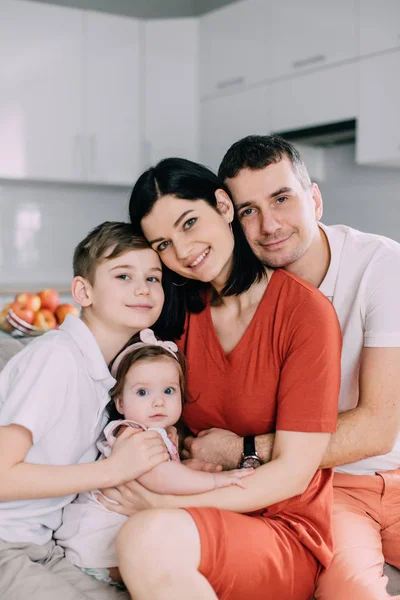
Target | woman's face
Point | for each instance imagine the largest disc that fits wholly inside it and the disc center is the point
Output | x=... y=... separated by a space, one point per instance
x=192 y=238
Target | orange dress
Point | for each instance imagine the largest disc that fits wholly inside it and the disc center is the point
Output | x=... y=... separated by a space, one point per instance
x=284 y=374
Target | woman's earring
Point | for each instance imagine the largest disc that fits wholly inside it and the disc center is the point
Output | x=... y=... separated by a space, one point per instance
x=179 y=284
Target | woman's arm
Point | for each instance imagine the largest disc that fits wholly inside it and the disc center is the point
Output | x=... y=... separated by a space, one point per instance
x=20 y=480
x=295 y=460
x=175 y=478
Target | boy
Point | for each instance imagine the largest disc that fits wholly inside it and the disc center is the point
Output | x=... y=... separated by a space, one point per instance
x=53 y=398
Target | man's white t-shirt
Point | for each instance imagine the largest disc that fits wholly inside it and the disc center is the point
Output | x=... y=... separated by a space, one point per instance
x=58 y=388
x=363 y=282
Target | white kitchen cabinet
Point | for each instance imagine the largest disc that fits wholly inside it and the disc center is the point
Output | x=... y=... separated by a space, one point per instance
x=255 y=41
x=226 y=119
x=40 y=92
x=112 y=124
x=69 y=89
x=316 y=98
x=232 y=47
x=171 y=91
x=309 y=34
x=378 y=136
x=379 y=25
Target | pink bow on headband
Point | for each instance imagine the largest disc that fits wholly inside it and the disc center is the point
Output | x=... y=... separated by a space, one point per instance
x=147 y=338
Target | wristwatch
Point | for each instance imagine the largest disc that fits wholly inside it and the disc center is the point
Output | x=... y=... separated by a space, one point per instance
x=250 y=457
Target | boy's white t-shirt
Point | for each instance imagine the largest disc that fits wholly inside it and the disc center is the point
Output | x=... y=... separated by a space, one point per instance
x=58 y=388
x=363 y=282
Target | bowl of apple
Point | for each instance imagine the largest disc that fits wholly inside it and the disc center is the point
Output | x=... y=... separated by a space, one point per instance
x=34 y=314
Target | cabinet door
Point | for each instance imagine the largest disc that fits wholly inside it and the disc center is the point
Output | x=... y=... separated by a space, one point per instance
x=232 y=45
x=316 y=98
x=40 y=91
x=171 y=102
x=226 y=119
x=379 y=25
x=378 y=139
x=112 y=122
x=309 y=34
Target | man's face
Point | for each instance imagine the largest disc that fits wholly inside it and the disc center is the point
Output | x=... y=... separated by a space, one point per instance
x=278 y=216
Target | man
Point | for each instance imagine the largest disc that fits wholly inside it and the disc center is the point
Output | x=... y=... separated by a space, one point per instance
x=279 y=209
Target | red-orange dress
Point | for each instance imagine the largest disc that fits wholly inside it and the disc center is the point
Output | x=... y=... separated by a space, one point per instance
x=284 y=374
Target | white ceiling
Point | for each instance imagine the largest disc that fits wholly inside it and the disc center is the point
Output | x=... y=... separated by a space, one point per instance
x=146 y=9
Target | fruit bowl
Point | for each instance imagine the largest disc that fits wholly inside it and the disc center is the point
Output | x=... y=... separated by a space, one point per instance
x=17 y=327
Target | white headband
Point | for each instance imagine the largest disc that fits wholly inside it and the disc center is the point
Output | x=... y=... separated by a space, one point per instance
x=147 y=338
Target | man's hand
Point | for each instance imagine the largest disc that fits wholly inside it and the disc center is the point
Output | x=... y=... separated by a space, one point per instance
x=215 y=446
x=201 y=465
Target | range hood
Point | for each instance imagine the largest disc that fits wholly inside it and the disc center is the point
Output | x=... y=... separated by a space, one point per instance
x=330 y=134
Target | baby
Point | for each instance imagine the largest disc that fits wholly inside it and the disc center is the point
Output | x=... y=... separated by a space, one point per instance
x=149 y=394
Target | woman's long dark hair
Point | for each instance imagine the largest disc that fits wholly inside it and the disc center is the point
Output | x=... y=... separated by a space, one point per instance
x=191 y=181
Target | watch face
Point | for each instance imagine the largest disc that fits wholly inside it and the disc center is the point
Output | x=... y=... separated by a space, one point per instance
x=250 y=462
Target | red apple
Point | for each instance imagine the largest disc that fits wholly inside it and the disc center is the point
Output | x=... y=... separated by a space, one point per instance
x=44 y=319
x=49 y=299
x=65 y=309
x=4 y=324
x=28 y=301
x=23 y=312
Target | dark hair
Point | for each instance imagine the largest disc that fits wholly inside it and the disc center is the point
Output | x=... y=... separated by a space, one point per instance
x=107 y=241
x=144 y=353
x=191 y=181
x=259 y=151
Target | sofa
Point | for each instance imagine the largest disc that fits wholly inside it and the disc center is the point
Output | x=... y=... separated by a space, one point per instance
x=10 y=346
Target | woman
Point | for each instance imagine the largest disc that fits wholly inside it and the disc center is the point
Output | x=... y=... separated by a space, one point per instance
x=263 y=354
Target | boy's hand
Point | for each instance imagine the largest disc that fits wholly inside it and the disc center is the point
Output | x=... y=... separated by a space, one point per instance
x=232 y=478
x=134 y=453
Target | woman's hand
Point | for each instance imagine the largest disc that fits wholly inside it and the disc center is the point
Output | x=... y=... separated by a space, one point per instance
x=129 y=499
x=134 y=453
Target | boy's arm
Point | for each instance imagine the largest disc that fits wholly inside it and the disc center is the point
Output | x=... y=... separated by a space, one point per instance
x=22 y=481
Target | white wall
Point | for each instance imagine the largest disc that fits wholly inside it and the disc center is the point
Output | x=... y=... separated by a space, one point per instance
x=40 y=226
x=367 y=198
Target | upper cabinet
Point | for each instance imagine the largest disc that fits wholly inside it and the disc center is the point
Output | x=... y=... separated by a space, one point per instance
x=232 y=47
x=379 y=25
x=112 y=123
x=170 y=90
x=378 y=132
x=254 y=41
x=41 y=88
x=68 y=94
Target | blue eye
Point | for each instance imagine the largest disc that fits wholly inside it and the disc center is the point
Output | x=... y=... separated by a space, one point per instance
x=247 y=212
x=162 y=246
x=281 y=199
x=142 y=392
x=153 y=279
x=169 y=391
x=123 y=276
x=189 y=223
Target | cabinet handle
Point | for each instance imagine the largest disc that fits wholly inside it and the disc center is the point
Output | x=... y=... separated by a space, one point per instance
x=221 y=85
x=77 y=155
x=92 y=154
x=311 y=60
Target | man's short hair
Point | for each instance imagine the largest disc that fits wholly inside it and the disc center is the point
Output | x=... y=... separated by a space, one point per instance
x=256 y=152
x=104 y=242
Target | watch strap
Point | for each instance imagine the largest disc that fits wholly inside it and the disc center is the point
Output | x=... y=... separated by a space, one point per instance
x=249 y=446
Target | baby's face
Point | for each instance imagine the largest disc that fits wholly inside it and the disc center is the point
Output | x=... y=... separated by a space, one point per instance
x=152 y=395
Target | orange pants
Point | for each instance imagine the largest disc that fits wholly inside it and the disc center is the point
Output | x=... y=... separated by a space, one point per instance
x=366 y=533
x=253 y=557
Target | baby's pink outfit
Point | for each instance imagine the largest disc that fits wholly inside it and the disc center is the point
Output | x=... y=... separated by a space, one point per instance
x=88 y=531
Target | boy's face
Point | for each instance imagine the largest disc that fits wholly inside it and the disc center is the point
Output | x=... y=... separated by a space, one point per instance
x=152 y=395
x=127 y=291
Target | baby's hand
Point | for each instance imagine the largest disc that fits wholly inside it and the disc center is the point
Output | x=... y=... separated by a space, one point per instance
x=235 y=477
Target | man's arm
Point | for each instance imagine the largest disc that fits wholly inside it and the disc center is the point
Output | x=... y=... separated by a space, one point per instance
x=368 y=430
x=371 y=428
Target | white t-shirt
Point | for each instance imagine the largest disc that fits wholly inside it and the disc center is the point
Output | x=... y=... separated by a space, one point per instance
x=363 y=282
x=58 y=388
